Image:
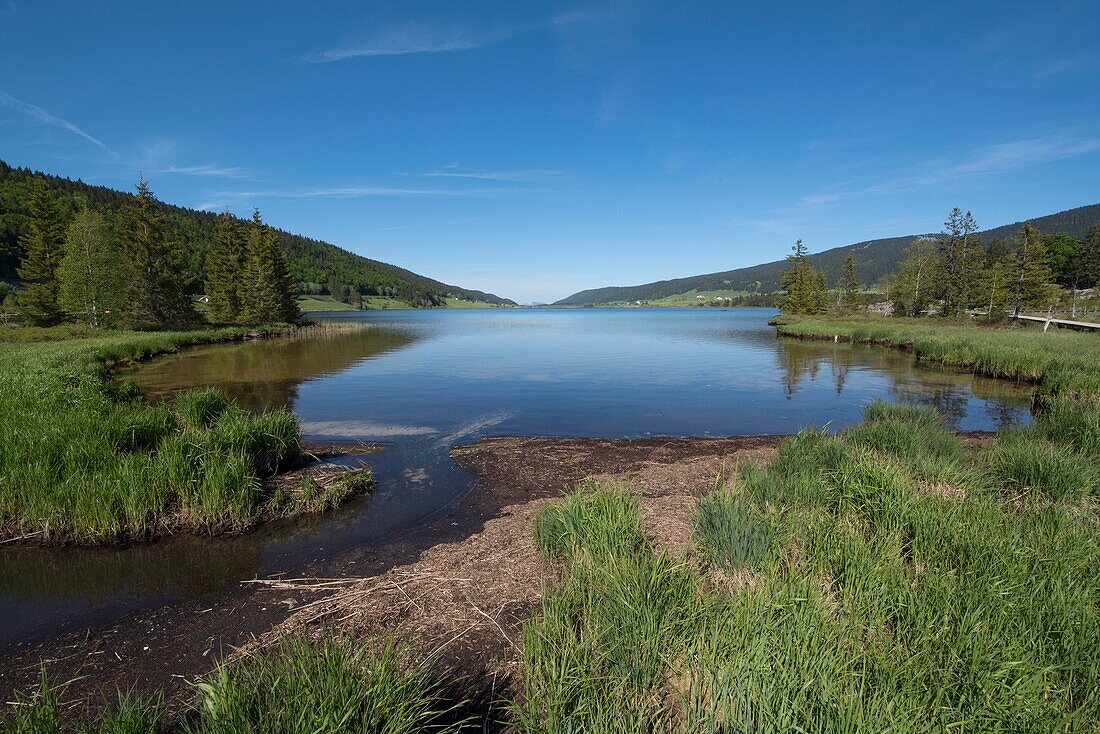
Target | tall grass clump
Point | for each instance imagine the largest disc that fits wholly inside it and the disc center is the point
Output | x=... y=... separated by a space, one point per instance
x=728 y=532
x=333 y=686
x=598 y=519
x=598 y=656
x=40 y=713
x=297 y=687
x=87 y=461
x=1021 y=462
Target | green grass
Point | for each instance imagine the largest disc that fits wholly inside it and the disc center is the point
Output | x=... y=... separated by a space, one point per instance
x=299 y=687
x=867 y=598
x=322 y=303
x=463 y=303
x=84 y=460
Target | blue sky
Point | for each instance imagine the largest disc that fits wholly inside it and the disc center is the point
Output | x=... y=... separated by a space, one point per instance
x=534 y=149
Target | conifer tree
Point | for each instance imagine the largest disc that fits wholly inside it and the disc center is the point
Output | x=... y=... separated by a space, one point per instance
x=848 y=296
x=156 y=265
x=1031 y=274
x=43 y=248
x=267 y=291
x=806 y=289
x=1089 y=263
x=225 y=261
x=960 y=260
x=90 y=279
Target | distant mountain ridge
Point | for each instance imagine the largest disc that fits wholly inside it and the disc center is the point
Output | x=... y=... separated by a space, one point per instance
x=311 y=260
x=874 y=258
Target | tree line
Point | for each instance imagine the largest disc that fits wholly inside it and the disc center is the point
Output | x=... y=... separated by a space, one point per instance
x=129 y=270
x=957 y=272
x=315 y=266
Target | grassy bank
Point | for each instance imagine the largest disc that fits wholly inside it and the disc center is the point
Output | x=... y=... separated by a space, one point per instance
x=881 y=580
x=86 y=461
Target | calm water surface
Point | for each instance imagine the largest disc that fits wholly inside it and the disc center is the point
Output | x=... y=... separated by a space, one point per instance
x=422 y=381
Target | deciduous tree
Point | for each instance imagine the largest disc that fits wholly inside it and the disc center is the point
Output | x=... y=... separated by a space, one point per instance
x=912 y=290
x=91 y=279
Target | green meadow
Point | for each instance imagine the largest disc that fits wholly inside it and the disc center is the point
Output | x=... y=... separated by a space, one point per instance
x=86 y=460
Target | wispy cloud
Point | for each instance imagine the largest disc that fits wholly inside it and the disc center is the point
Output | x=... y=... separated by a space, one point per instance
x=425 y=38
x=1073 y=64
x=208 y=170
x=998 y=158
x=525 y=175
x=217 y=199
x=45 y=118
x=1010 y=156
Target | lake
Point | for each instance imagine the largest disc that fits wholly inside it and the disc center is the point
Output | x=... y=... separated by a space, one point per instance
x=422 y=381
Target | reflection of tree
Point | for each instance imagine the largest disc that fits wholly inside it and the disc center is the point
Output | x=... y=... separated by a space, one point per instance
x=947 y=391
x=262 y=375
x=950 y=400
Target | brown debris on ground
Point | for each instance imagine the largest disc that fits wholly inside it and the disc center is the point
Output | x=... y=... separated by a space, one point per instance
x=471 y=597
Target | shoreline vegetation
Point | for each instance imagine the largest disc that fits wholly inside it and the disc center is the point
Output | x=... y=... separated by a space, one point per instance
x=890 y=576
x=89 y=461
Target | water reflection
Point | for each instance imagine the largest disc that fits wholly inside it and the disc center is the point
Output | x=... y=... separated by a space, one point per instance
x=268 y=373
x=966 y=401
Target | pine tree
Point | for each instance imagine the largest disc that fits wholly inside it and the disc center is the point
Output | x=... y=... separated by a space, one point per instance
x=267 y=291
x=960 y=260
x=225 y=262
x=90 y=279
x=1088 y=266
x=286 y=292
x=1031 y=274
x=848 y=296
x=43 y=247
x=156 y=265
x=806 y=288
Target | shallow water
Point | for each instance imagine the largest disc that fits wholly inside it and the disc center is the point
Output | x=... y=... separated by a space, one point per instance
x=422 y=381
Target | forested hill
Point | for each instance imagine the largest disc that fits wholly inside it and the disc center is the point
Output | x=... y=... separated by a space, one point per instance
x=874 y=259
x=317 y=266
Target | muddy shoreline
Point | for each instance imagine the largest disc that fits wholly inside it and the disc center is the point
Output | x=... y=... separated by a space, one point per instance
x=161 y=650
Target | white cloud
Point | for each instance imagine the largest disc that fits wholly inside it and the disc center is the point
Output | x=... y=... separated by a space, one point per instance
x=1009 y=156
x=422 y=38
x=208 y=170
x=514 y=176
x=998 y=158
x=40 y=115
x=342 y=192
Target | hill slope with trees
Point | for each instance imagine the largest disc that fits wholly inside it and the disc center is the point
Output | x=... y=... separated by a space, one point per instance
x=875 y=258
x=315 y=266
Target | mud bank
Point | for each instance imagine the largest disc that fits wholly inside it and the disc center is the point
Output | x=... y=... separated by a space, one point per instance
x=464 y=581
